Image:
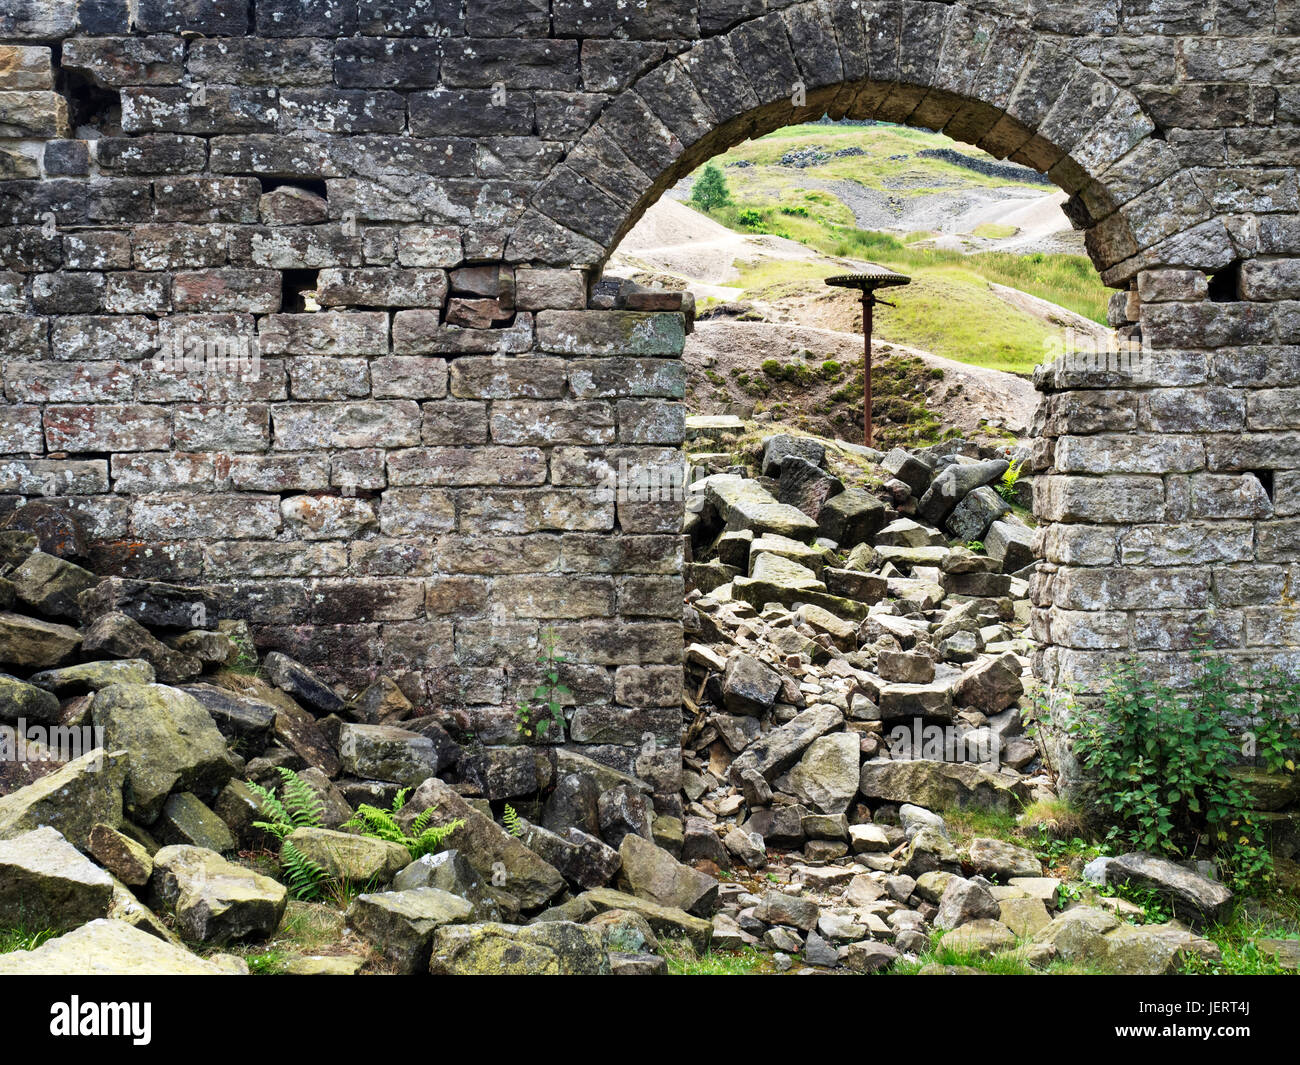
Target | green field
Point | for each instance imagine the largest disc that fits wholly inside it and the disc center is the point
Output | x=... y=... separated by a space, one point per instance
x=949 y=308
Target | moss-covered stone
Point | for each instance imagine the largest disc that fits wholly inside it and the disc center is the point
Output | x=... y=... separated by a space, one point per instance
x=554 y=948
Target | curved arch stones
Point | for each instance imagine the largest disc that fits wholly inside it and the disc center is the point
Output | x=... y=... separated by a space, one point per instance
x=413 y=479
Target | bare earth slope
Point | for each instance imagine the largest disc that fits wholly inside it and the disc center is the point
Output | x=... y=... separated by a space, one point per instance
x=680 y=247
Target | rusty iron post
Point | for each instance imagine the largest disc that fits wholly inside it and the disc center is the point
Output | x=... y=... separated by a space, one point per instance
x=867 y=283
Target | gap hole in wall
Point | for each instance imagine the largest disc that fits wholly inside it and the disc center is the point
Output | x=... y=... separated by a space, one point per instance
x=93 y=111
x=295 y=285
x=1223 y=285
x=307 y=184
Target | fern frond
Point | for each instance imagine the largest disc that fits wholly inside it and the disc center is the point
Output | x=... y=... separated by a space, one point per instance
x=399 y=800
x=510 y=816
x=303 y=877
x=372 y=821
x=271 y=806
x=306 y=810
x=431 y=839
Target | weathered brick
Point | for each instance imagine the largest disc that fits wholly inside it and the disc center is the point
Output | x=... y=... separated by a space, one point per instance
x=1123 y=588
x=542 y=289
x=1114 y=453
x=408 y=377
x=633 y=643
x=253 y=558
x=328 y=377
x=371 y=286
x=651 y=422
x=610 y=333
x=552 y=423
x=467 y=465
x=325 y=333
x=109 y=427
x=1188 y=410
x=420 y=332
x=172 y=471
x=498 y=554
x=97 y=251
x=302 y=472
x=68 y=382
x=413 y=511
x=537 y=377
x=207 y=517
x=1112 y=499
x=26 y=67
x=444 y=596
x=328 y=517
x=1270 y=279
x=20 y=429
x=617 y=377
x=650 y=597
x=514 y=510
x=303 y=426
x=33 y=114
x=50 y=477
x=621 y=554
x=257 y=291
x=454 y=422
x=553 y=597
x=1178 y=544
x=226 y=428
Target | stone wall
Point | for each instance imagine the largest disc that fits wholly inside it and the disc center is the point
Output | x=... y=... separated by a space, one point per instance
x=295 y=299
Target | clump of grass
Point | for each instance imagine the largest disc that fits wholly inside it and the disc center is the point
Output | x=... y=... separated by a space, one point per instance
x=1053 y=819
x=1002 y=964
x=23 y=938
x=1238 y=936
x=994 y=230
x=685 y=960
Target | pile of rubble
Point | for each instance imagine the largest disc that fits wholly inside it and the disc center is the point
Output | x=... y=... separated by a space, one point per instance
x=837 y=632
x=830 y=617
x=854 y=666
x=128 y=741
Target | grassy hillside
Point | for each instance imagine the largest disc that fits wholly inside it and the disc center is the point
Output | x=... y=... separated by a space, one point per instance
x=888 y=161
x=949 y=307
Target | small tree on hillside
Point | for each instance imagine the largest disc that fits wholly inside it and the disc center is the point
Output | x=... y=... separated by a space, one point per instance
x=710 y=189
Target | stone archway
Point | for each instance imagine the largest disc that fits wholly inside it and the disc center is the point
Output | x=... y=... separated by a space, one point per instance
x=1147 y=519
x=412 y=483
